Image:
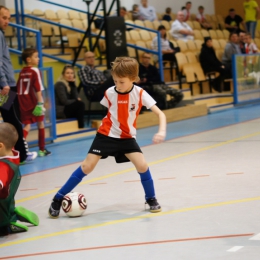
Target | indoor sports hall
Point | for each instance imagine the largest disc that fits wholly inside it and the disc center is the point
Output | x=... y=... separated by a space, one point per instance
x=206 y=176
x=207 y=171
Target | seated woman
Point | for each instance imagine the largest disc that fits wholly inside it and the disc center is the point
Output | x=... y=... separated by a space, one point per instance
x=68 y=104
x=210 y=63
x=167 y=47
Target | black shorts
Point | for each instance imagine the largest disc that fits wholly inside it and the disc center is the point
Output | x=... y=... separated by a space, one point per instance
x=108 y=146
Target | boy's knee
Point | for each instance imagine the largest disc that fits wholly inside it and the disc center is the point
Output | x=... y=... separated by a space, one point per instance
x=142 y=168
x=87 y=167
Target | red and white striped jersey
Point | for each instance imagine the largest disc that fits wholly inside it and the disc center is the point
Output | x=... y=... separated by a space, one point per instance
x=28 y=84
x=123 y=109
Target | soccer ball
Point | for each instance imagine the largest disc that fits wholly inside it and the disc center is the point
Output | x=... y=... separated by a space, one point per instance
x=74 y=204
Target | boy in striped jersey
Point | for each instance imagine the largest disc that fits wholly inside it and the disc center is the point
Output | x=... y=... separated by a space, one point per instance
x=117 y=133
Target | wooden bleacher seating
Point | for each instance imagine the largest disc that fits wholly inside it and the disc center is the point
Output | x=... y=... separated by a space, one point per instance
x=139 y=23
x=216 y=44
x=47 y=31
x=190 y=23
x=166 y=24
x=197 y=34
x=74 y=15
x=183 y=46
x=62 y=14
x=156 y=24
x=192 y=46
x=196 y=25
x=145 y=35
x=135 y=36
x=149 y=24
x=51 y=15
x=213 y=34
x=204 y=33
x=198 y=43
x=226 y=34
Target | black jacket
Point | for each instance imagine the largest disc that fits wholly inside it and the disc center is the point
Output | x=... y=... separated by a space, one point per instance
x=63 y=97
x=150 y=73
x=208 y=59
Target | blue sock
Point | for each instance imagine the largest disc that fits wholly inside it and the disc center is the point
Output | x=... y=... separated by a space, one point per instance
x=147 y=183
x=75 y=178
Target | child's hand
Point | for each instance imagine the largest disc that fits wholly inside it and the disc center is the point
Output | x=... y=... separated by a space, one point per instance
x=39 y=110
x=159 y=137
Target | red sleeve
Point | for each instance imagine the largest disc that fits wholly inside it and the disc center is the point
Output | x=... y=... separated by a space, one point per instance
x=37 y=81
x=5 y=174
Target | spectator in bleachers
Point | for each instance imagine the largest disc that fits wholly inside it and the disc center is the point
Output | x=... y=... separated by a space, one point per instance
x=93 y=81
x=147 y=11
x=241 y=40
x=167 y=16
x=233 y=21
x=150 y=81
x=202 y=19
x=232 y=47
x=251 y=12
x=136 y=13
x=210 y=63
x=167 y=47
x=68 y=104
x=122 y=11
x=250 y=46
x=186 y=12
x=181 y=30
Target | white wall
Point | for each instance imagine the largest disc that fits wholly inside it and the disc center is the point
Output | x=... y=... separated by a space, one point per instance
x=78 y=4
x=176 y=5
x=160 y=5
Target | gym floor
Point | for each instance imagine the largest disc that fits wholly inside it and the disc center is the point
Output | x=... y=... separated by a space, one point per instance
x=206 y=176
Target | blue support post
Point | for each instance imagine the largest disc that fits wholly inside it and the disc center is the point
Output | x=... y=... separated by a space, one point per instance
x=17 y=19
x=52 y=97
x=234 y=74
x=23 y=23
x=160 y=60
x=39 y=48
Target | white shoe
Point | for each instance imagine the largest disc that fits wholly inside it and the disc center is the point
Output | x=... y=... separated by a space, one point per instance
x=31 y=156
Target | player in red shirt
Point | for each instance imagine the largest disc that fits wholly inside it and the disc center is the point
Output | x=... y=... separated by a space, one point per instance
x=29 y=91
x=10 y=178
x=117 y=133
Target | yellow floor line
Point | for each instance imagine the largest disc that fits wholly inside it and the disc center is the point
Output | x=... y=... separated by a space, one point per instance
x=151 y=215
x=151 y=163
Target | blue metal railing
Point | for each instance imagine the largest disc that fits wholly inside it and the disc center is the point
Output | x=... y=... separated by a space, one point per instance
x=23 y=16
x=38 y=41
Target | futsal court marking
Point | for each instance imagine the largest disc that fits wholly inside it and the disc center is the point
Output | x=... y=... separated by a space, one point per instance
x=139 y=217
x=126 y=220
x=152 y=144
x=151 y=163
x=233 y=249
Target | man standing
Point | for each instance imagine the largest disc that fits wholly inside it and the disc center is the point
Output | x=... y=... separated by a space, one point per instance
x=94 y=81
x=251 y=12
x=181 y=30
x=7 y=84
x=147 y=12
